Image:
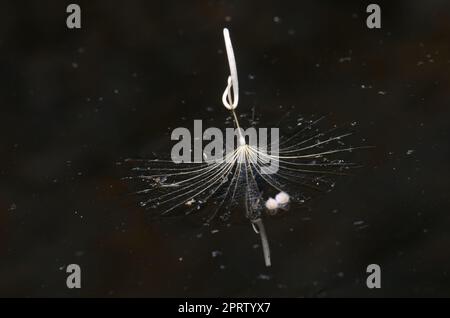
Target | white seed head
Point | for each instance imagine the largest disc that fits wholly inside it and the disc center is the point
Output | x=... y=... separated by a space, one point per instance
x=282 y=198
x=271 y=204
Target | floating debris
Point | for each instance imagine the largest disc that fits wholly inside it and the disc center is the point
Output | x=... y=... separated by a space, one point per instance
x=277 y=19
x=264 y=277
x=345 y=59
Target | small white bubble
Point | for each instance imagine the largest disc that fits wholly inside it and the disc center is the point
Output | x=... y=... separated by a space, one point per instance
x=282 y=198
x=271 y=204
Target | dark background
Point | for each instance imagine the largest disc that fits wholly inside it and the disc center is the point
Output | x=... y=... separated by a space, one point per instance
x=75 y=102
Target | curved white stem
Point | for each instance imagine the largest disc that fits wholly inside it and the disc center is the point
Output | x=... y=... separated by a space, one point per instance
x=233 y=82
x=264 y=241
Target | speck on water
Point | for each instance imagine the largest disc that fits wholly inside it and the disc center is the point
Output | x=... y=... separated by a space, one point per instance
x=264 y=277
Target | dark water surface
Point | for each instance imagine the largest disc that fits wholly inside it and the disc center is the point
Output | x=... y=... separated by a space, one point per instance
x=75 y=102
